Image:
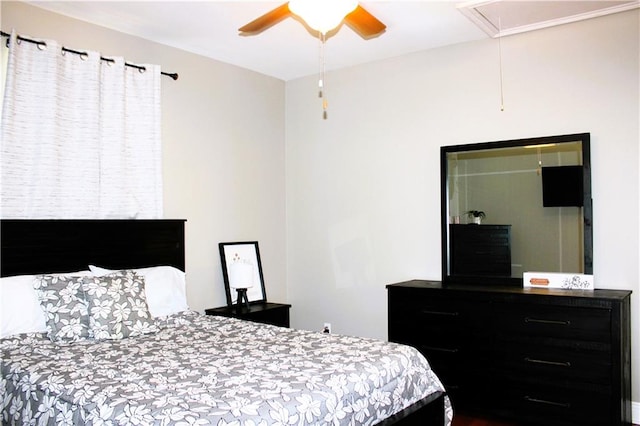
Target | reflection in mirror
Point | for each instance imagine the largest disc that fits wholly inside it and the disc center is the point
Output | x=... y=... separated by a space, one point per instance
x=532 y=199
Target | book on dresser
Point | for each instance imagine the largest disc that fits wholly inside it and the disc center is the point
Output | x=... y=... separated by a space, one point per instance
x=529 y=356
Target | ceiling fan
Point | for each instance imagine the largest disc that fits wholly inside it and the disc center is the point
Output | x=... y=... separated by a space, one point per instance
x=320 y=15
x=323 y=16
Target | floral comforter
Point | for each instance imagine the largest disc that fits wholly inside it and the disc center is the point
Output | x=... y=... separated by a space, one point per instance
x=204 y=370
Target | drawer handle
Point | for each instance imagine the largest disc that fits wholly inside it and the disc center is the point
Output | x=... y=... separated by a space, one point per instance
x=448 y=314
x=441 y=349
x=542 y=361
x=546 y=321
x=544 y=401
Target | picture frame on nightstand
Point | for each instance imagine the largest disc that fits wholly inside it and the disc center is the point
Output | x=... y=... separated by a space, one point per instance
x=242 y=268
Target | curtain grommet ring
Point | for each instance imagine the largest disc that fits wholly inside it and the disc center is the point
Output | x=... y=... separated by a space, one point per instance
x=142 y=70
x=84 y=56
x=42 y=45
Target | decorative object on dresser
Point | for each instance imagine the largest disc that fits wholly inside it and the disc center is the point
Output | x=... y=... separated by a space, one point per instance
x=533 y=356
x=242 y=271
x=511 y=177
x=266 y=313
x=476 y=216
x=558 y=280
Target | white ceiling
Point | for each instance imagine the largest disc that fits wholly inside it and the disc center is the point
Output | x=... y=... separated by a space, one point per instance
x=287 y=51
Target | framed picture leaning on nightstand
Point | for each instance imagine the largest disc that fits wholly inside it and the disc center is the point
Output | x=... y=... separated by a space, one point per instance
x=242 y=269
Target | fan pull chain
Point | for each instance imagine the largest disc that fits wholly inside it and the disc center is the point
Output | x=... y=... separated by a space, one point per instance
x=321 y=62
x=500 y=59
x=539 y=169
x=321 y=77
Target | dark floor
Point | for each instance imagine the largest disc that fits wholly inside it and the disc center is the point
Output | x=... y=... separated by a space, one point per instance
x=460 y=420
x=471 y=421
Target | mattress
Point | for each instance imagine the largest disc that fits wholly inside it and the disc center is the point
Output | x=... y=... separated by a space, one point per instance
x=209 y=370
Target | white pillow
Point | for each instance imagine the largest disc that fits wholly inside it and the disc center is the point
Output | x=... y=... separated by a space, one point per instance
x=20 y=310
x=165 y=288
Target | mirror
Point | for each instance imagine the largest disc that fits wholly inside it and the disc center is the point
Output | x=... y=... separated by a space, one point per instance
x=516 y=206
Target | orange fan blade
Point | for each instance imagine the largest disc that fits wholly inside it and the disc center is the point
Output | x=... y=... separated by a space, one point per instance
x=266 y=21
x=364 y=23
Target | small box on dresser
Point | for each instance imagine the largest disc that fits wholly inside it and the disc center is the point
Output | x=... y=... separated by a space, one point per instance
x=530 y=356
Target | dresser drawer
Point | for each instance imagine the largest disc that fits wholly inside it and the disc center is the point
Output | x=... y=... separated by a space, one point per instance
x=552 y=321
x=436 y=326
x=266 y=313
x=561 y=364
x=447 y=312
x=556 y=406
x=439 y=328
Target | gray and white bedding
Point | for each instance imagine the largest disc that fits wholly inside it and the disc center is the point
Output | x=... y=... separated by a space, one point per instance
x=205 y=370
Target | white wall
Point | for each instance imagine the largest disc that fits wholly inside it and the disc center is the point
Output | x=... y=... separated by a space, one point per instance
x=363 y=206
x=362 y=188
x=223 y=148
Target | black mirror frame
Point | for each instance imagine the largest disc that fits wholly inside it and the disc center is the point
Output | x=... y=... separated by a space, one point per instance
x=587 y=212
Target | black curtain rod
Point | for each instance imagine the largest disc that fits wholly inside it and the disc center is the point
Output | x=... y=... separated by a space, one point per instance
x=65 y=49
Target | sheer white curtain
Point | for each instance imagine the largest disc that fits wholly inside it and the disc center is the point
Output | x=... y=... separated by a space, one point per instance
x=80 y=136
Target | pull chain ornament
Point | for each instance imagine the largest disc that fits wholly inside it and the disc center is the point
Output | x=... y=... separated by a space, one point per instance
x=321 y=76
x=500 y=63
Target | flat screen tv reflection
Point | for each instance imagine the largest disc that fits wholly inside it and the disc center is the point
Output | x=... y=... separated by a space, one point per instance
x=562 y=186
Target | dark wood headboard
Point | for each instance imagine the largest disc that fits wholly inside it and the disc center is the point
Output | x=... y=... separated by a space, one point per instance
x=41 y=245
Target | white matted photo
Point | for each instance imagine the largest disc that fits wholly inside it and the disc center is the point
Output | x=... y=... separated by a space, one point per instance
x=242 y=269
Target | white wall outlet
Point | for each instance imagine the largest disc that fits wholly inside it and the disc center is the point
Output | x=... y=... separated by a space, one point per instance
x=327 y=328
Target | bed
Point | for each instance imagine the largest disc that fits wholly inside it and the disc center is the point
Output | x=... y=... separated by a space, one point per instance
x=170 y=365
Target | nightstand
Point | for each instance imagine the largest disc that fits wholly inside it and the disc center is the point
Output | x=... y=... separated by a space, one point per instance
x=266 y=313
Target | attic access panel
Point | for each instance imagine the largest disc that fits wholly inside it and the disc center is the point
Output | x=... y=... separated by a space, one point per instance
x=502 y=18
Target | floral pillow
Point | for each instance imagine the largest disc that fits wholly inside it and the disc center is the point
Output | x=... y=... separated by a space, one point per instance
x=118 y=306
x=65 y=307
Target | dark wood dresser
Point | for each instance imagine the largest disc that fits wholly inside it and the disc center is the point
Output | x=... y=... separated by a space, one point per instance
x=480 y=250
x=533 y=356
